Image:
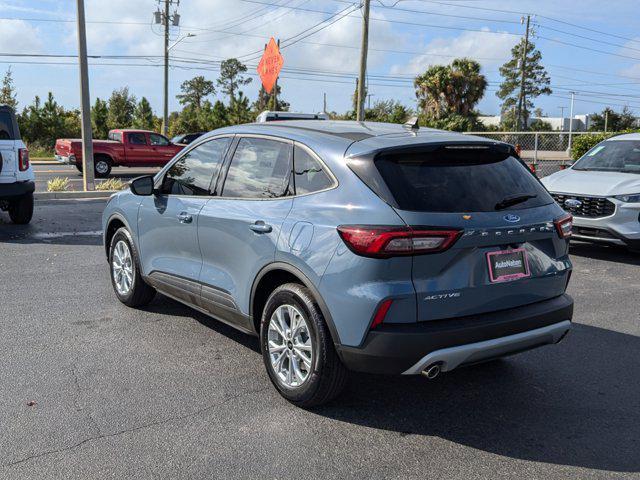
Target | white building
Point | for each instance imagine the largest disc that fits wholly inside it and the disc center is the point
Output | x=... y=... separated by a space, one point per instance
x=580 y=122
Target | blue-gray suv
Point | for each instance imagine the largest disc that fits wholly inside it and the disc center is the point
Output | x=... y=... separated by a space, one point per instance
x=349 y=247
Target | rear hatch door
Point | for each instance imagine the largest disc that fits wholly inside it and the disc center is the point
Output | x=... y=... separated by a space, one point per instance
x=508 y=253
x=8 y=134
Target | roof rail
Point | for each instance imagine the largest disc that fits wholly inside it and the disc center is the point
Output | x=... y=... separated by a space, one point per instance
x=271 y=116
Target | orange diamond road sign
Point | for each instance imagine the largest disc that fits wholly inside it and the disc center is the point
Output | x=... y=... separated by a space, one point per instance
x=270 y=65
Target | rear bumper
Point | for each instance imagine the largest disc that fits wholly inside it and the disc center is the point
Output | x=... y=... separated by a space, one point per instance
x=70 y=160
x=9 y=191
x=408 y=348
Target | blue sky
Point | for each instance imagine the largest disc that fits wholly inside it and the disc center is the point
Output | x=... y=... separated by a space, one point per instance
x=403 y=41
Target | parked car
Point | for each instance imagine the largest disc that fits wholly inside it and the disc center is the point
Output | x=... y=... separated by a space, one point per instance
x=124 y=148
x=186 y=138
x=602 y=191
x=349 y=246
x=17 y=180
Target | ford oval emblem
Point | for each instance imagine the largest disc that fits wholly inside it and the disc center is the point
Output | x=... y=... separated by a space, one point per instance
x=572 y=203
x=511 y=218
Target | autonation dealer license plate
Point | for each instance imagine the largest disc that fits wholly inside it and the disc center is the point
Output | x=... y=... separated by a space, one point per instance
x=507 y=265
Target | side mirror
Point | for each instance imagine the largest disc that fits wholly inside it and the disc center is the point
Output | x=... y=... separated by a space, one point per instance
x=142 y=185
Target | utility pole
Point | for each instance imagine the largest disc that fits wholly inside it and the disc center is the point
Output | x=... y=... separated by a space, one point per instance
x=165 y=105
x=88 y=179
x=164 y=18
x=523 y=65
x=573 y=94
x=363 y=61
x=606 y=119
x=324 y=102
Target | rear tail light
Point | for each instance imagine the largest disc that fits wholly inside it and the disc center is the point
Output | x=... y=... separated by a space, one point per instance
x=564 y=225
x=388 y=241
x=23 y=159
x=381 y=313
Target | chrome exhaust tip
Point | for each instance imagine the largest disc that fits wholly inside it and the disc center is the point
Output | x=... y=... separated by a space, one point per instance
x=432 y=371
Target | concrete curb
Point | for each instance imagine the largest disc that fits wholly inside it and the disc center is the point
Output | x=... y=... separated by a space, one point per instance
x=73 y=195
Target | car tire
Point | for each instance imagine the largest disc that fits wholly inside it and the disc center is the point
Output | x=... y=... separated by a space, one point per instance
x=79 y=167
x=102 y=166
x=321 y=375
x=124 y=267
x=21 y=210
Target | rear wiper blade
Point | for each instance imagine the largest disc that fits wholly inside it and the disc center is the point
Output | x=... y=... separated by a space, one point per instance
x=514 y=200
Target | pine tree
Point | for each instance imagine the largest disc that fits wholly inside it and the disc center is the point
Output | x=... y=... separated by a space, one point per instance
x=537 y=80
x=143 y=115
x=7 y=92
x=122 y=106
x=239 y=111
x=231 y=77
x=99 y=119
x=265 y=101
x=195 y=91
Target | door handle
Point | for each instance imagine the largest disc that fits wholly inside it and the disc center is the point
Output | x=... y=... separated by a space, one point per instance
x=260 y=227
x=184 y=217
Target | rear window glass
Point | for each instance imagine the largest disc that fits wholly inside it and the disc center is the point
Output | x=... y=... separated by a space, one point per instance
x=6 y=126
x=460 y=181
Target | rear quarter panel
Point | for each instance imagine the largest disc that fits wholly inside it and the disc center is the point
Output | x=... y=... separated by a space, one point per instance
x=351 y=286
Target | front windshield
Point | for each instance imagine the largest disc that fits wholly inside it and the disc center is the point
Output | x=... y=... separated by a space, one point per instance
x=612 y=156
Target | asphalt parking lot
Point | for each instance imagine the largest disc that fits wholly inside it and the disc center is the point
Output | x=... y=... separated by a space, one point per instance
x=166 y=392
x=46 y=172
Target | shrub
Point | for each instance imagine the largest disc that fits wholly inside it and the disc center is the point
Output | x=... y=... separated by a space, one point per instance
x=111 y=184
x=58 y=184
x=581 y=144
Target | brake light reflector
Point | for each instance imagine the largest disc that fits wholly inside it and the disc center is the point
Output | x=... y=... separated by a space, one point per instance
x=23 y=159
x=381 y=313
x=564 y=225
x=389 y=241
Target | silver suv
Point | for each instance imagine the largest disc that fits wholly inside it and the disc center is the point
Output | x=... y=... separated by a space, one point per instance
x=17 y=181
x=602 y=191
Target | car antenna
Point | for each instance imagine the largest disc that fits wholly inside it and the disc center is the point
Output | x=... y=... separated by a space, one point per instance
x=412 y=124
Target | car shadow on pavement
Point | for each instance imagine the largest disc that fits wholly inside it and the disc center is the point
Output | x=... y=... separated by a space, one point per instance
x=575 y=404
x=610 y=253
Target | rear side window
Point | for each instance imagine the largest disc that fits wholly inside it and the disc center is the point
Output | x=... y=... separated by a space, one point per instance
x=459 y=180
x=309 y=176
x=137 y=138
x=260 y=168
x=193 y=172
x=115 y=136
x=6 y=126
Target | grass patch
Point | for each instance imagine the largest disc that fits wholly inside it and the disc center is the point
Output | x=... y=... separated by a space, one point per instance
x=58 y=184
x=111 y=184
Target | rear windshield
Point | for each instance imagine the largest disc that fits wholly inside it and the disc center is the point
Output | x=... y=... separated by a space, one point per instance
x=6 y=125
x=459 y=180
x=612 y=156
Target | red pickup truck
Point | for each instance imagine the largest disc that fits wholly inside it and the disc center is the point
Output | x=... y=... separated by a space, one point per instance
x=125 y=148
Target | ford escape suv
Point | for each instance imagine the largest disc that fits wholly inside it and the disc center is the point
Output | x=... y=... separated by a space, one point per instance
x=349 y=246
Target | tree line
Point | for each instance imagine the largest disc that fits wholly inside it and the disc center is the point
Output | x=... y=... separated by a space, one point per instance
x=446 y=96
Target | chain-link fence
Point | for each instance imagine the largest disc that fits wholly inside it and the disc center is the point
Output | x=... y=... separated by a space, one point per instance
x=545 y=152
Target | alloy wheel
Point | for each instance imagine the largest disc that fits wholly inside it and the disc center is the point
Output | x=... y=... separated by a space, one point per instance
x=122 y=267
x=290 y=347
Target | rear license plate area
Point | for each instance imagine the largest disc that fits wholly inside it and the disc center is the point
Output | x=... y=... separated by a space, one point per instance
x=508 y=265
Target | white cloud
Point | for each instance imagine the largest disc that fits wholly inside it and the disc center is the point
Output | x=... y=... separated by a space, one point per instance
x=488 y=49
x=17 y=36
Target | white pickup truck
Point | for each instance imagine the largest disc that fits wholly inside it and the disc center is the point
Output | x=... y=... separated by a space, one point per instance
x=17 y=181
